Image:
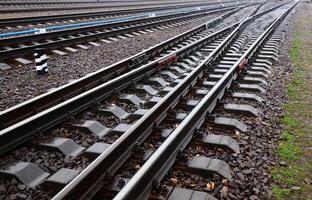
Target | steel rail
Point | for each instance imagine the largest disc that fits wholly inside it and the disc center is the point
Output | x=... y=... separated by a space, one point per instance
x=47 y=18
x=92 y=177
x=159 y=163
x=41 y=19
x=70 y=107
x=6 y=10
x=50 y=45
x=17 y=133
x=33 y=106
x=112 y=24
x=91 y=180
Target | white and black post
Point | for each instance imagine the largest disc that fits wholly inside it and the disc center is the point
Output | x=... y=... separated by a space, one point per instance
x=41 y=61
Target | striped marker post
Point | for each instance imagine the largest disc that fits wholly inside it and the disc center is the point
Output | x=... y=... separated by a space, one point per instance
x=41 y=61
x=40 y=56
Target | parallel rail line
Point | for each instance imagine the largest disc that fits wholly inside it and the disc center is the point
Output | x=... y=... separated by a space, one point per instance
x=51 y=18
x=135 y=15
x=159 y=163
x=87 y=2
x=34 y=9
x=70 y=90
x=89 y=181
x=90 y=33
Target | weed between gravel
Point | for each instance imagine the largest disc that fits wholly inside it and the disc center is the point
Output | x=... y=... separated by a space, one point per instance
x=293 y=179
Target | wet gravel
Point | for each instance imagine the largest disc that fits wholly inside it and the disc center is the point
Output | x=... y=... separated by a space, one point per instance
x=15 y=190
x=48 y=161
x=184 y=179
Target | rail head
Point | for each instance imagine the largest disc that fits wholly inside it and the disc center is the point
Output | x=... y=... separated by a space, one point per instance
x=121 y=146
x=88 y=169
x=158 y=162
x=71 y=189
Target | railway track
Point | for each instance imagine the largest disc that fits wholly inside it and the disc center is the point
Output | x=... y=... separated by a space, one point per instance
x=48 y=21
x=24 y=45
x=182 y=143
x=35 y=8
x=41 y=103
x=187 y=85
x=110 y=3
x=52 y=18
x=156 y=166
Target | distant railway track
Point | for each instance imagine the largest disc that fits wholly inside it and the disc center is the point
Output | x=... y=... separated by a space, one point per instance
x=12 y=47
x=178 y=87
x=87 y=2
x=35 y=8
x=12 y=22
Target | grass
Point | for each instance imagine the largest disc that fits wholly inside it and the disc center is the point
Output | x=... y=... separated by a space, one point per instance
x=288 y=151
x=290 y=122
x=293 y=180
x=279 y=192
x=279 y=174
x=286 y=136
x=288 y=177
